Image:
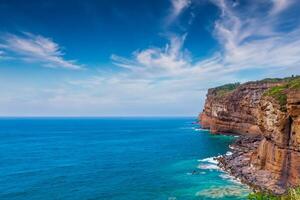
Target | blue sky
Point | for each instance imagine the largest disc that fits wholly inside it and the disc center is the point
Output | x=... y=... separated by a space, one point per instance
x=138 y=57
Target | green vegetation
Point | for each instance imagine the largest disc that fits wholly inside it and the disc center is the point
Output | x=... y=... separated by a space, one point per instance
x=277 y=80
x=225 y=89
x=279 y=92
x=293 y=194
x=262 y=196
x=294 y=84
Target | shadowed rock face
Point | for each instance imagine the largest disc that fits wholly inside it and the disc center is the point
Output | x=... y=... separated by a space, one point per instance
x=246 y=111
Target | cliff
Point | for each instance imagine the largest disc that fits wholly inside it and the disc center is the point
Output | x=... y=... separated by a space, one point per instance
x=267 y=114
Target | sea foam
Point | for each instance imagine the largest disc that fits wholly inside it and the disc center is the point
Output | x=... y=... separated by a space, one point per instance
x=209 y=160
x=208 y=166
x=200 y=129
x=208 y=163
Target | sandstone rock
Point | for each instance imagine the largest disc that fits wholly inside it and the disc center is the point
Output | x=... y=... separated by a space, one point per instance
x=279 y=151
x=235 y=112
x=269 y=160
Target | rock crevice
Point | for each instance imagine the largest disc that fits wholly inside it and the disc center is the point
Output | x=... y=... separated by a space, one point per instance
x=272 y=161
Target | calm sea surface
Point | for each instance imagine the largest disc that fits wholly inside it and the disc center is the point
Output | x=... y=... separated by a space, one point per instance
x=112 y=158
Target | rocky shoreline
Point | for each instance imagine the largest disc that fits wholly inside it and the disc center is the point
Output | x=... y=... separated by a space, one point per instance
x=266 y=115
x=238 y=165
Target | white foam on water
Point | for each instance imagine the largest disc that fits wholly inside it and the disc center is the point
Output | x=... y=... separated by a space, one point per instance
x=208 y=166
x=209 y=160
x=200 y=129
x=231 y=147
x=225 y=176
x=208 y=163
x=230 y=178
x=197 y=129
x=228 y=153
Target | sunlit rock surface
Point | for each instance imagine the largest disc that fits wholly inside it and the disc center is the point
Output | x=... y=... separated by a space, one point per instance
x=268 y=156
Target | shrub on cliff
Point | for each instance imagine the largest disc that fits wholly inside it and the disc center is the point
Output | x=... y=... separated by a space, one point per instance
x=262 y=196
x=279 y=92
x=225 y=89
x=292 y=194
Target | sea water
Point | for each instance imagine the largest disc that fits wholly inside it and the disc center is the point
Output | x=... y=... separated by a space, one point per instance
x=112 y=158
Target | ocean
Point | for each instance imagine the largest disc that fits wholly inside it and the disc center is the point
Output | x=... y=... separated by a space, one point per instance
x=112 y=159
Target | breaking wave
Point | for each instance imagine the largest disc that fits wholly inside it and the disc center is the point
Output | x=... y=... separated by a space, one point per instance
x=209 y=160
x=208 y=163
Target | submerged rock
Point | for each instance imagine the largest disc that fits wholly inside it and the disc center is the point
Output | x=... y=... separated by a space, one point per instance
x=221 y=192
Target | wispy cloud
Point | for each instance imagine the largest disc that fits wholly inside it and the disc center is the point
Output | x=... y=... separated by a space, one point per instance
x=249 y=40
x=178 y=6
x=36 y=48
x=254 y=41
x=170 y=79
x=157 y=62
x=280 y=5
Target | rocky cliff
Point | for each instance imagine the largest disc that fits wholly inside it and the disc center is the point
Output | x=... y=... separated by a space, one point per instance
x=267 y=113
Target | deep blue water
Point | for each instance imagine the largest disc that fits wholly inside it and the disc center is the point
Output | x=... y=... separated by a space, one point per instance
x=111 y=158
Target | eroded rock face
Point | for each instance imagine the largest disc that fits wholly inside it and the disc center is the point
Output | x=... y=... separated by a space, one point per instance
x=235 y=112
x=273 y=162
x=279 y=152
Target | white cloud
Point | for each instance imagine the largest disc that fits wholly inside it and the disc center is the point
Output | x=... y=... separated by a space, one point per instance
x=280 y=5
x=158 y=62
x=170 y=80
x=251 y=42
x=36 y=48
x=247 y=42
x=178 y=6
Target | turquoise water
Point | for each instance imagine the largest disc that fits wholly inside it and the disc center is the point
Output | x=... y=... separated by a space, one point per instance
x=111 y=158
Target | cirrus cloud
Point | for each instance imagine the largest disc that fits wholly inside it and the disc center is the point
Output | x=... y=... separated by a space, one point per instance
x=36 y=48
x=169 y=79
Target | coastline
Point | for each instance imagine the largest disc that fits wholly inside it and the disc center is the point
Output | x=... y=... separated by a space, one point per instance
x=240 y=188
x=265 y=114
x=239 y=165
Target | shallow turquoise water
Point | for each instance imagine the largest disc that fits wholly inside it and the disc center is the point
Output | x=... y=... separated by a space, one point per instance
x=111 y=158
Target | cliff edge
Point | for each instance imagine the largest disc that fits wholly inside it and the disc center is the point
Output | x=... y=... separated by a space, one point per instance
x=267 y=114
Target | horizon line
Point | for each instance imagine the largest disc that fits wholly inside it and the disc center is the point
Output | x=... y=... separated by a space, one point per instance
x=96 y=116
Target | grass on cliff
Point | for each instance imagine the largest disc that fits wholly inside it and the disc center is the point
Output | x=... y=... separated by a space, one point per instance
x=279 y=92
x=293 y=194
x=225 y=89
x=277 y=80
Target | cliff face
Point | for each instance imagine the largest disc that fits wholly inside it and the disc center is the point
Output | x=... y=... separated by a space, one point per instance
x=235 y=111
x=279 y=151
x=270 y=110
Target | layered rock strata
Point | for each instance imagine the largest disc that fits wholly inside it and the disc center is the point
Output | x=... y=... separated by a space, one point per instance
x=270 y=159
x=235 y=111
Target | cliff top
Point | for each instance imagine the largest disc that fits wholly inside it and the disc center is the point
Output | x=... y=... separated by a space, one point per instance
x=225 y=89
x=277 y=92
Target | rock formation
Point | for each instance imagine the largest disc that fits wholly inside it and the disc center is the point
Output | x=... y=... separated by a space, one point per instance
x=269 y=112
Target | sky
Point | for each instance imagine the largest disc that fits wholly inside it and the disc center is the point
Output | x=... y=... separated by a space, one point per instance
x=138 y=57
